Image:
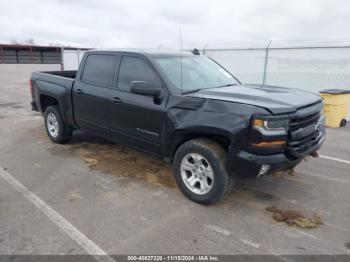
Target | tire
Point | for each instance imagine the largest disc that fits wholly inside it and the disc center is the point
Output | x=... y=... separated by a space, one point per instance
x=58 y=131
x=343 y=122
x=204 y=187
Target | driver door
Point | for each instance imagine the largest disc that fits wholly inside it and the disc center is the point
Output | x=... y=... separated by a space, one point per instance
x=136 y=119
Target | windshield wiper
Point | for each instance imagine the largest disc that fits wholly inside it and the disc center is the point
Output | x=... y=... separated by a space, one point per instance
x=199 y=89
x=191 y=91
x=226 y=85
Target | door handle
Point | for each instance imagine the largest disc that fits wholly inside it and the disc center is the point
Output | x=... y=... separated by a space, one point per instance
x=79 y=91
x=116 y=100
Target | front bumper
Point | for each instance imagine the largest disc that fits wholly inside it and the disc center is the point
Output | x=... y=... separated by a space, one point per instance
x=248 y=165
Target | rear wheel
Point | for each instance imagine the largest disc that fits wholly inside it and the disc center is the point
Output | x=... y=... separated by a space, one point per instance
x=56 y=129
x=343 y=123
x=200 y=171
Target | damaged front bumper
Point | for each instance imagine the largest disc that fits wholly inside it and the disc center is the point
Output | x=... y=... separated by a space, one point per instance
x=248 y=165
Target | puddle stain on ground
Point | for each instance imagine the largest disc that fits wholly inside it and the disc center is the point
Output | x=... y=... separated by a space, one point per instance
x=124 y=162
x=294 y=218
x=115 y=159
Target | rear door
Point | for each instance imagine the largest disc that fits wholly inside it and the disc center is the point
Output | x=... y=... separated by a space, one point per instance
x=137 y=119
x=91 y=92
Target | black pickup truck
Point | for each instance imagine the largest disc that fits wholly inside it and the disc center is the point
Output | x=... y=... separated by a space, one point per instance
x=186 y=109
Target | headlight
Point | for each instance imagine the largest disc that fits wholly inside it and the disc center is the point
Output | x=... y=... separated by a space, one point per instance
x=271 y=126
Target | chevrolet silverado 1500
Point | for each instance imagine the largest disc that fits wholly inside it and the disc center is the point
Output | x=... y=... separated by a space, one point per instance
x=186 y=109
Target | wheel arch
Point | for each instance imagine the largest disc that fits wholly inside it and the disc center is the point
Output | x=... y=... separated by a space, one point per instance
x=46 y=101
x=182 y=136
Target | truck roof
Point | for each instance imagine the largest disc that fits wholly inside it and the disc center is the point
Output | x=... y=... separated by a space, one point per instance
x=148 y=52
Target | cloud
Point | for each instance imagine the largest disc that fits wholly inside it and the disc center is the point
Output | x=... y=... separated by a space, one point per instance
x=151 y=23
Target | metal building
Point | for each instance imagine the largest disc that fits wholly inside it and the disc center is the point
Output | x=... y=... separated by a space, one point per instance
x=31 y=54
x=25 y=54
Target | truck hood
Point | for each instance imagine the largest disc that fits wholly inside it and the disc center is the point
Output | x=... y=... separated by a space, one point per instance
x=277 y=100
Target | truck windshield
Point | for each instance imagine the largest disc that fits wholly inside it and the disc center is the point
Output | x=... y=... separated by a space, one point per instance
x=198 y=72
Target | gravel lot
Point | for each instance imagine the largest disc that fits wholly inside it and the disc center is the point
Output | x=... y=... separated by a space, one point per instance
x=126 y=202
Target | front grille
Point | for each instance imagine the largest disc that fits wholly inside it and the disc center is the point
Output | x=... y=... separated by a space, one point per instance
x=304 y=130
x=298 y=123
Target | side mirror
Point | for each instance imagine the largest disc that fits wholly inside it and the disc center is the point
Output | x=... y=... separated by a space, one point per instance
x=146 y=88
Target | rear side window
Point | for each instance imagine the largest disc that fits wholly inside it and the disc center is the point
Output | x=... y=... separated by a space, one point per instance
x=99 y=69
x=134 y=69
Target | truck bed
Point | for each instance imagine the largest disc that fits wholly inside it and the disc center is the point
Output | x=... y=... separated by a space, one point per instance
x=61 y=78
x=67 y=73
x=57 y=85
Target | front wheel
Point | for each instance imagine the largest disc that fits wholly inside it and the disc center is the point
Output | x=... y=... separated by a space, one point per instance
x=200 y=171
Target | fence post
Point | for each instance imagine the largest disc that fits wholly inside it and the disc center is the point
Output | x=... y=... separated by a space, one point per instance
x=265 y=64
x=204 y=47
x=78 y=56
x=62 y=58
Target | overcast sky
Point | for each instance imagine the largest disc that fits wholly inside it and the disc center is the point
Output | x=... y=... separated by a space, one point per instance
x=151 y=23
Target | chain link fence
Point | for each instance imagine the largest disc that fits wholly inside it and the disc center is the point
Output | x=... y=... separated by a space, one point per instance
x=313 y=67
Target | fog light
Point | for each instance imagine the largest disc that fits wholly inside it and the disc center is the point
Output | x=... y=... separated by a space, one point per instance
x=264 y=169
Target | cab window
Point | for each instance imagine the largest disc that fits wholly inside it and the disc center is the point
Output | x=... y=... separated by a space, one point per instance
x=99 y=69
x=134 y=69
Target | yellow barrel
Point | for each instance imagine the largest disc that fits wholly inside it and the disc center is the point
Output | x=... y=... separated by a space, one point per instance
x=336 y=104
